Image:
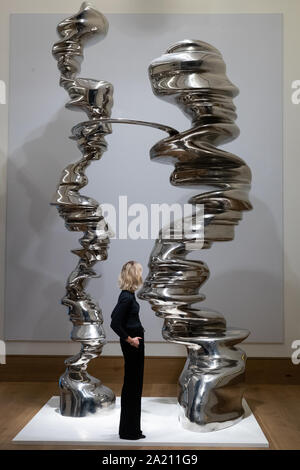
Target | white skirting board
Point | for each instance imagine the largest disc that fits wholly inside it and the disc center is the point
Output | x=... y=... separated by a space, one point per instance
x=159 y=422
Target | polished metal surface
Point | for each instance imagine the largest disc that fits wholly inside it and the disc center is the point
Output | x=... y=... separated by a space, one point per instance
x=192 y=75
x=80 y=393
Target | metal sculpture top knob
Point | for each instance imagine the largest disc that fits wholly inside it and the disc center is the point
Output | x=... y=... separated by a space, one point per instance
x=192 y=75
x=92 y=96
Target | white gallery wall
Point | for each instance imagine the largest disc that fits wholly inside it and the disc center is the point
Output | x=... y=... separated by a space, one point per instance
x=247 y=286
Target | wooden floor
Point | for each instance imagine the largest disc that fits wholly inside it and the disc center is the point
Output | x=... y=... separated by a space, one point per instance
x=276 y=408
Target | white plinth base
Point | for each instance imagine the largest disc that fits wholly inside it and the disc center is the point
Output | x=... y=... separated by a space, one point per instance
x=159 y=420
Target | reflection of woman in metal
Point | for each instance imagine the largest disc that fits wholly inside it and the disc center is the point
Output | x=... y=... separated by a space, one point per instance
x=126 y=323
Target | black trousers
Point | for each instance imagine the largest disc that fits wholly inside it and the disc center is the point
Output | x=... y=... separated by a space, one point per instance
x=131 y=396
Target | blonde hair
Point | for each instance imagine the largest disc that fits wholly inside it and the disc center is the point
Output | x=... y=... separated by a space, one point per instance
x=130 y=277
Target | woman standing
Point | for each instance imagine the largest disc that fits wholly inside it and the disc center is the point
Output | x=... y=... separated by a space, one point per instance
x=126 y=323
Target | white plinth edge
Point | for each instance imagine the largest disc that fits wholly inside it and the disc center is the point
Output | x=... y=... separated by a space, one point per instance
x=159 y=422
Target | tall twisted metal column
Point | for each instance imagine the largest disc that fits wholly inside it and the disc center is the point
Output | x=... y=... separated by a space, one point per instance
x=192 y=75
x=81 y=393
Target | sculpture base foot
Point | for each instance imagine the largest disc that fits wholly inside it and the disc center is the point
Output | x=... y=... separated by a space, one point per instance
x=83 y=398
x=211 y=385
x=206 y=427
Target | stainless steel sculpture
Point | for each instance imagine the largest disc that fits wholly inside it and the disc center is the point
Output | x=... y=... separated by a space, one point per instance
x=192 y=75
x=81 y=393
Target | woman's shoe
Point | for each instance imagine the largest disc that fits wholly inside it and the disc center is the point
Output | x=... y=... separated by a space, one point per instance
x=129 y=437
x=139 y=436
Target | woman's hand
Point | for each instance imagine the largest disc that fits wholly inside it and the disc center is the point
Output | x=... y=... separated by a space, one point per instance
x=134 y=341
